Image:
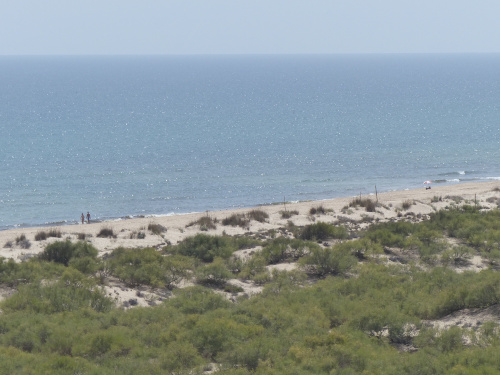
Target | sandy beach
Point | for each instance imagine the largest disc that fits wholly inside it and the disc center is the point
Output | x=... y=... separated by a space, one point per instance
x=421 y=203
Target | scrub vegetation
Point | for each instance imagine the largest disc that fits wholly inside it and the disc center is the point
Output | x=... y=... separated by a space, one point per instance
x=363 y=303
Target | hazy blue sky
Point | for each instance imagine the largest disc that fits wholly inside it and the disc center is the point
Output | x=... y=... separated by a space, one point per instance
x=247 y=26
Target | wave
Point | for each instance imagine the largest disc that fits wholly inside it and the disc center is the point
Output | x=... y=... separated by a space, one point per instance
x=470 y=179
x=456 y=173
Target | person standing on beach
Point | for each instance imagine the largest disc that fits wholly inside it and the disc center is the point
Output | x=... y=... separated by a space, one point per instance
x=88 y=217
x=83 y=218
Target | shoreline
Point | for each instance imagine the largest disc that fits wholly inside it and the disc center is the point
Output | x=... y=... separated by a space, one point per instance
x=364 y=193
x=179 y=226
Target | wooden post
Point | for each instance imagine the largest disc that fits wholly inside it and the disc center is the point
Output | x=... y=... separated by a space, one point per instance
x=376 y=194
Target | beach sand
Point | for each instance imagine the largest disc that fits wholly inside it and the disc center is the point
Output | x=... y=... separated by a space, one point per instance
x=421 y=203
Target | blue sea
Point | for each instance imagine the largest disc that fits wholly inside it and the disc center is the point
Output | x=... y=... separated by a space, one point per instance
x=125 y=136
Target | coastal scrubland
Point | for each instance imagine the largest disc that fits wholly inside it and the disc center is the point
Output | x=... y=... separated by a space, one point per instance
x=350 y=295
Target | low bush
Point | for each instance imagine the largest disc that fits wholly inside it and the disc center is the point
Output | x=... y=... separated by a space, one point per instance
x=64 y=251
x=54 y=233
x=106 y=233
x=335 y=260
x=236 y=220
x=137 y=235
x=205 y=223
x=230 y=288
x=254 y=266
x=156 y=229
x=284 y=249
x=205 y=247
x=215 y=273
x=23 y=242
x=391 y=234
x=258 y=215
x=361 y=248
x=41 y=236
x=72 y=292
x=457 y=255
x=455 y=198
x=288 y=214
x=322 y=231
x=407 y=204
x=148 y=267
x=244 y=242
x=281 y=281
x=20 y=238
x=319 y=210
x=367 y=203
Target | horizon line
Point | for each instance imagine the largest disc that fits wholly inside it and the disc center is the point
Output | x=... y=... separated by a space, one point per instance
x=240 y=54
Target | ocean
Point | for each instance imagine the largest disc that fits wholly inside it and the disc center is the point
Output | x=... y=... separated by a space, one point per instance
x=129 y=136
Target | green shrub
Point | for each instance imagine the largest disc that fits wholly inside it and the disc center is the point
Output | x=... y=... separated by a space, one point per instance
x=367 y=203
x=450 y=339
x=63 y=251
x=23 y=242
x=20 y=238
x=288 y=214
x=41 y=236
x=205 y=223
x=258 y=215
x=284 y=281
x=253 y=266
x=148 y=267
x=13 y=274
x=360 y=248
x=197 y=300
x=179 y=355
x=87 y=264
x=319 y=210
x=54 y=233
x=106 y=232
x=262 y=278
x=329 y=261
x=322 y=231
x=244 y=242
x=455 y=198
x=457 y=255
x=229 y=288
x=390 y=234
x=284 y=249
x=156 y=229
x=236 y=220
x=215 y=273
x=407 y=204
x=205 y=247
x=71 y=293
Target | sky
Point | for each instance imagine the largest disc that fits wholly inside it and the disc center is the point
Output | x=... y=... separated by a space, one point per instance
x=168 y=27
